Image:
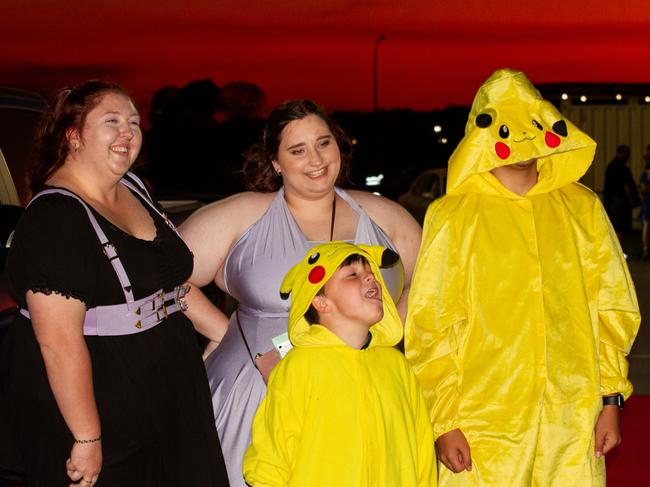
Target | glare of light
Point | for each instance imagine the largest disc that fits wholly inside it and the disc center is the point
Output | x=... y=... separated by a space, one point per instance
x=647 y=99
x=437 y=128
x=443 y=140
x=374 y=180
x=377 y=193
x=583 y=98
x=565 y=96
x=619 y=97
x=354 y=141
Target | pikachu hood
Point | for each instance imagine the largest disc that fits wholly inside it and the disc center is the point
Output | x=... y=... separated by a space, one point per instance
x=510 y=122
x=306 y=278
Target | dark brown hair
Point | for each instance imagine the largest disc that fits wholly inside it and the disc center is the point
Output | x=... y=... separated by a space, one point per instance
x=68 y=110
x=259 y=174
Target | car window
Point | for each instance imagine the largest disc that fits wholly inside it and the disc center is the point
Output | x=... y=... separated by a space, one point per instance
x=423 y=183
x=20 y=112
x=17 y=128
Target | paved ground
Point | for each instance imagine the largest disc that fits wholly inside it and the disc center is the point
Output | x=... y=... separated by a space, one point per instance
x=640 y=356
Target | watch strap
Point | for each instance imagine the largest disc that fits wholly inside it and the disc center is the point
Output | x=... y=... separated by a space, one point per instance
x=616 y=400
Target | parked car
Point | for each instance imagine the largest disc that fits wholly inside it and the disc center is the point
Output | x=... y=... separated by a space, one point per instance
x=426 y=187
x=20 y=112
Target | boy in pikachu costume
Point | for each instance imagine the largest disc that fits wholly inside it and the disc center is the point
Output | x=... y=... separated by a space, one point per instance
x=343 y=408
x=521 y=310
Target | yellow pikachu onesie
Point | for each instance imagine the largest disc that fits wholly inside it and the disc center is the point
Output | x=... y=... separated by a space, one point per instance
x=521 y=309
x=333 y=415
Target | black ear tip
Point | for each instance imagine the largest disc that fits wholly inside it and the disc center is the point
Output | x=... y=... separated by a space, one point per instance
x=389 y=258
x=560 y=128
x=484 y=120
x=285 y=296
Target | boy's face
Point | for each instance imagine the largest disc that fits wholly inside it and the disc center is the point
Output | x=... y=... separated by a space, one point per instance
x=527 y=169
x=354 y=293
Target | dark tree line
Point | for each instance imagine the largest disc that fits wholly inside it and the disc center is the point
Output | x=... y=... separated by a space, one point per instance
x=197 y=136
x=200 y=131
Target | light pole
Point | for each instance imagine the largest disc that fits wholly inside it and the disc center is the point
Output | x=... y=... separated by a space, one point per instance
x=379 y=38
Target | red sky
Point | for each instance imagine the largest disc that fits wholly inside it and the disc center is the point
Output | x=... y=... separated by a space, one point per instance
x=436 y=53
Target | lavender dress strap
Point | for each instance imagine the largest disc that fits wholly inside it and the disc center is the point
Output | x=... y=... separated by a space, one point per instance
x=140 y=189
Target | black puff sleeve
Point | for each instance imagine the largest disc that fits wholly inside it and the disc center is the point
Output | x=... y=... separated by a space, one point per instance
x=54 y=250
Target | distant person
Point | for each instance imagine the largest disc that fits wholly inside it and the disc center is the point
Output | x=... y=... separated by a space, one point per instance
x=644 y=214
x=101 y=378
x=343 y=407
x=246 y=244
x=620 y=195
x=522 y=310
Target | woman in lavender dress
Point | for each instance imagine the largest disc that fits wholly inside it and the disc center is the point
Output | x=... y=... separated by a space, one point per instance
x=247 y=243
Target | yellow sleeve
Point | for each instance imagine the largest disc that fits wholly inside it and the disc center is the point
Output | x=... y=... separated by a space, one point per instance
x=618 y=310
x=426 y=456
x=276 y=431
x=436 y=319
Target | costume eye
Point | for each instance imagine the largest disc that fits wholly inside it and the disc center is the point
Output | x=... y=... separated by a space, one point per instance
x=537 y=124
x=313 y=258
x=504 y=132
x=483 y=120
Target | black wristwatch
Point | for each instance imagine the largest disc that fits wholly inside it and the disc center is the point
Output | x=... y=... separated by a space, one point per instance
x=616 y=400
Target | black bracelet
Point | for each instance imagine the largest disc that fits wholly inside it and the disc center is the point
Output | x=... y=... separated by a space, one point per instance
x=616 y=400
x=94 y=440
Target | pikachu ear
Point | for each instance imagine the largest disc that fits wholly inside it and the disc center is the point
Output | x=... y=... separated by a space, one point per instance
x=389 y=258
x=381 y=255
x=288 y=282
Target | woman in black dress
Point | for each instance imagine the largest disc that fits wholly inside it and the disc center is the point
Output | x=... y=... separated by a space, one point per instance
x=102 y=378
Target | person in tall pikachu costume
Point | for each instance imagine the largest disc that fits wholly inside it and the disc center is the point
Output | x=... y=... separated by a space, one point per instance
x=522 y=309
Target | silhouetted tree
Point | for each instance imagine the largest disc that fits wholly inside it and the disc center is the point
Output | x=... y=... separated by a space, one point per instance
x=242 y=99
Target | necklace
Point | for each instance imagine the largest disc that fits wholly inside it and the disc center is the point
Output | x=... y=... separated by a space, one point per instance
x=333 y=218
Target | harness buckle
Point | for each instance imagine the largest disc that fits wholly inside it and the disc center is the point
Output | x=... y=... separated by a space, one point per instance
x=109 y=250
x=181 y=292
x=163 y=307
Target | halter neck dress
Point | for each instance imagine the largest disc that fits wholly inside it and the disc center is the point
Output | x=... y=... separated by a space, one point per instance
x=253 y=272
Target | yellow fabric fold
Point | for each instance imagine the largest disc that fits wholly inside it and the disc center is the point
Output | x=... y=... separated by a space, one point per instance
x=618 y=310
x=438 y=313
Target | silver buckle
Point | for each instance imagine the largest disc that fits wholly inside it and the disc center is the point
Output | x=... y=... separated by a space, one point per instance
x=109 y=246
x=164 y=313
x=181 y=292
x=163 y=306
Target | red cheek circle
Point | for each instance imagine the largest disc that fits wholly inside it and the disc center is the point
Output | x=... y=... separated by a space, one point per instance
x=552 y=140
x=502 y=150
x=316 y=274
